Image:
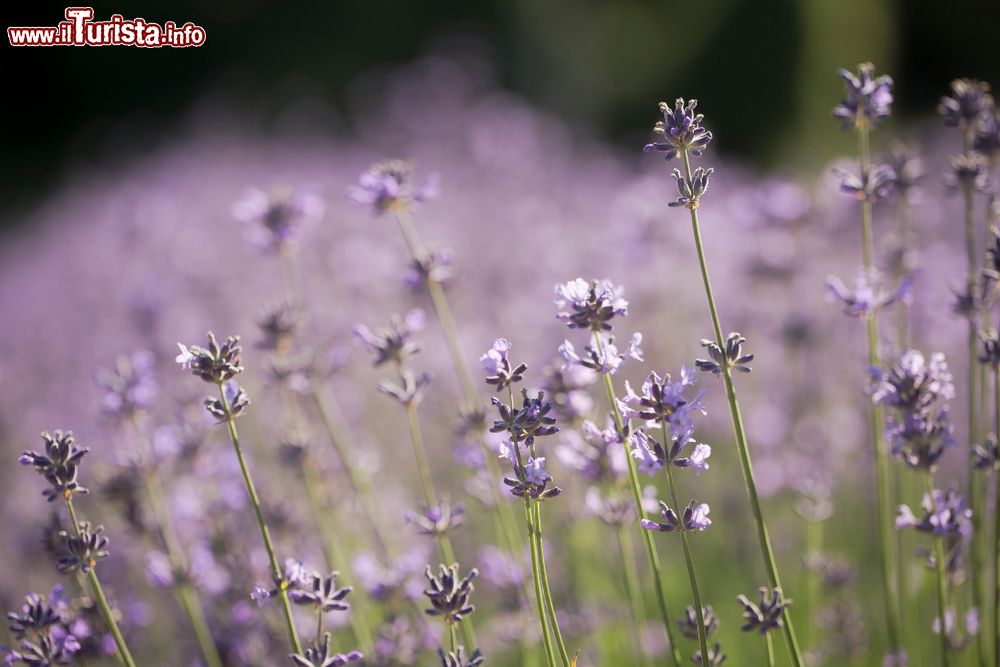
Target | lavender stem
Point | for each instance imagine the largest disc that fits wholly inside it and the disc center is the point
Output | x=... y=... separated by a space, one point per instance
x=651 y=553
x=95 y=585
x=942 y=584
x=741 y=441
x=632 y=588
x=293 y=634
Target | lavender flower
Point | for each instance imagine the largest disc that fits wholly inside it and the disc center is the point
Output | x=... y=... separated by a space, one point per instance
x=273 y=220
x=766 y=615
x=531 y=480
x=410 y=388
x=732 y=357
x=527 y=422
x=82 y=548
x=690 y=191
x=869 y=295
x=945 y=515
x=715 y=656
x=236 y=399
x=906 y=166
x=439 y=519
x=321 y=593
x=968 y=100
x=457 y=658
x=967 y=172
x=435 y=266
x=694 y=517
x=987 y=455
x=278 y=327
x=868 y=98
x=499 y=371
x=651 y=455
x=603 y=358
x=986 y=141
x=389 y=186
x=321 y=655
x=450 y=595
x=688 y=624
x=59 y=465
x=129 y=387
x=681 y=130
x=393 y=343
x=591 y=305
x=874 y=184
x=214 y=364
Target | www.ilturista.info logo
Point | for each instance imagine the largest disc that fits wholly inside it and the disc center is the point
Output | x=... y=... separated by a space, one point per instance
x=79 y=29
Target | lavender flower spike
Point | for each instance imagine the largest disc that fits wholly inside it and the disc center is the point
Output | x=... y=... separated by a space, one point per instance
x=592 y=306
x=694 y=517
x=321 y=655
x=867 y=100
x=681 y=130
x=388 y=186
x=968 y=100
x=59 y=465
x=766 y=615
x=273 y=219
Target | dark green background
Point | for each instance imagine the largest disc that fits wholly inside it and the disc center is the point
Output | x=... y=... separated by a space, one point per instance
x=763 y=70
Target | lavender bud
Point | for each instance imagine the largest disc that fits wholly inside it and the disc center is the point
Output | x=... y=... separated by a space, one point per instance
x=321 y=593
x=394 y=342
x=764 y=616
x=321 y=655
x=59 y=464
x=448 y=594
x=688 y=625
x=457 y=658
x=690 y=191
x=388 y=186
x=715 y=656
x=214 y=364
x=868 y=99
x=967 y=101
x=874 y=184
x=681 y=130
x=83 y=550
x=732 y=357
x=591 y=305
x=237 y=400
x=273 y=220
x=499 y=371
x=440 y=519
x=967 y=173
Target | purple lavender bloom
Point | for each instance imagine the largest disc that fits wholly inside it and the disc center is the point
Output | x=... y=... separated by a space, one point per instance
x=691 y=190
x=731 y=357
x=681 y=130
x=237 y=401
x=967 y=173
x=449 y=595
x=945 y=515
x=499 y=371
x=59 y=465
x=694 y=517
x=394 y=342
x=870 y=294
x=969 y=99
x=83 y=549
x=986 y=142
x=868 y=98
x=663 y=402
x=765 y=615
x=874 y=184
x=457 y=658
x=129 y=387
x=987 y=455
x=907 y=168
x=215 y=363
x=410 y=388
x=321 y=655
x=534 y=471
x=388 y=186
x=590 y=305
x=439 y=519
x=321 y=593
x=604 y=358
x=273 y=220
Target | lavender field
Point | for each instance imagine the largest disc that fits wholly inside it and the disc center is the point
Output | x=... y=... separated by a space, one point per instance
x=468 y=386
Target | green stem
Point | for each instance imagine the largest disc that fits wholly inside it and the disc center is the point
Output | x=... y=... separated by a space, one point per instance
x=539 y=595
x=187 y=596
x=454 y=636
x=814 y=547
x=265 y=533
x=695 y=593
x=544 y=573
x=741 y=441
x=442 y=311
x=334 y=555
x=647 y=539
x=770 y=649
x=360 y=483
x=95 y=584
x=996 y=527
x=632 y=588
x=942 y=584
x=319 y=625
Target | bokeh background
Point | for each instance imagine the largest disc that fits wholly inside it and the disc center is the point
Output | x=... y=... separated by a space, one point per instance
x=763 y=67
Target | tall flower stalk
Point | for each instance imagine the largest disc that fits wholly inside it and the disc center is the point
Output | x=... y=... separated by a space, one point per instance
x=84 y=544
x=591 y=307
x=219 y=365
x=684 y=136
x=389 y=187
x=868 y=100
x=523 y=425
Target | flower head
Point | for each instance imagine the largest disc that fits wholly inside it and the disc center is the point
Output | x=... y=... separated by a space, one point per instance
x=874 y=184
x=438 y=519
x=274 y=219
x=321 y=655
x=966 y=102
x=681 y=130
x=590 y=305
x=867 y=100
x=389 y=186
x=870 y=295
x=732 y=357
x=691 y=190
x=59 y=464
x=395 y=341
x=688 y=624
x=457 y=658
x=967 y=172
x=321 y=593
x=532 y=480
x=694 y=517
x=602 y=358
x=83 y=548
x=499 y=371
x=765 y=615
x=450 y=595
x=215 y=363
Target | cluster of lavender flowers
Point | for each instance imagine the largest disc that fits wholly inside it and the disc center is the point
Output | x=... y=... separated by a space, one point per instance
x=384 y=498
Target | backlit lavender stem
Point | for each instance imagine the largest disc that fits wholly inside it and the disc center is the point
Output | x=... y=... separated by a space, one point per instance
x=265 y=533
x=770 y=649
x=632 y=588
x=98 y=590
x=741 y=441
x=942 y=582
x=651 y=553
x=692 y=577
x=876 y=416
x=186 y=594
x=442 y=310
x=333 y=424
